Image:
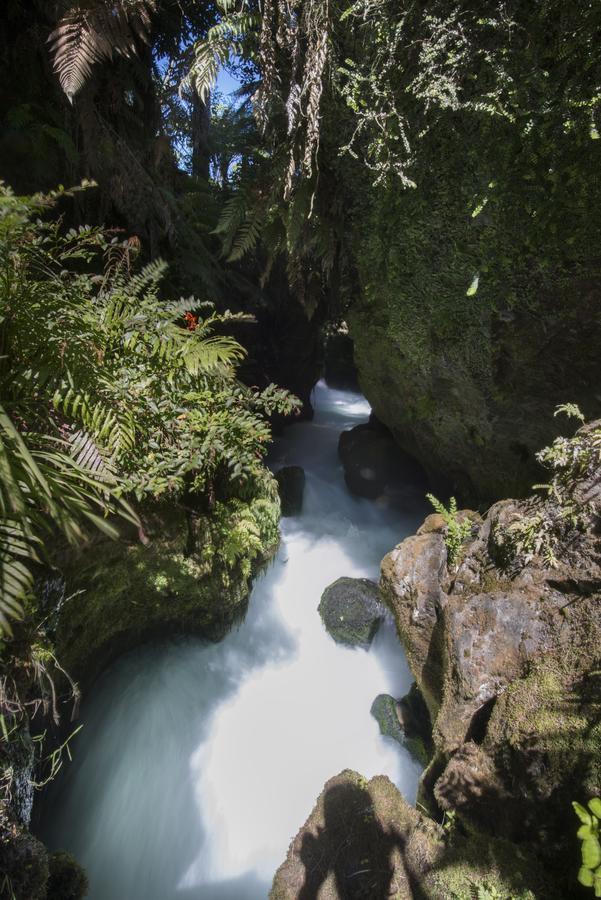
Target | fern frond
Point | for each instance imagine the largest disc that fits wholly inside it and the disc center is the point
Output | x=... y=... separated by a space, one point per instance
x=90 y=32
x=246 y=238
x=223 y=41
x=211 y=353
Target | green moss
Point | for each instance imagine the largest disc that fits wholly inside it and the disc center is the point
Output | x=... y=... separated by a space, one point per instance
x=556 y=712
x=122 y=593
x=67 y=881
x=458 y=374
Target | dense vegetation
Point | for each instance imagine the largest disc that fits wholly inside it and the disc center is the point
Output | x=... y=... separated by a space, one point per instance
x=427 y=174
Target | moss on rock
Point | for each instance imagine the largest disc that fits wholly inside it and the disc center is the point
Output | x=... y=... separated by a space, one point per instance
x=122 y=593
x=363 y=841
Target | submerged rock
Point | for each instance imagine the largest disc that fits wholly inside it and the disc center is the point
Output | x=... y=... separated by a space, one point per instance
x=291 y=486
x=351 y=611
x=373 y=464
x=363 y=841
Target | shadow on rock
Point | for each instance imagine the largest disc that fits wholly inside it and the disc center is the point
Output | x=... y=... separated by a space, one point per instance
x=351 y=854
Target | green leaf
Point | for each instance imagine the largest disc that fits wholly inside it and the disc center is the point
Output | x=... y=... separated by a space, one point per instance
x=595 y=806
x=584 y=832
x=585 y=877
x=591 y=852
x=582 y=813
x=473 y=288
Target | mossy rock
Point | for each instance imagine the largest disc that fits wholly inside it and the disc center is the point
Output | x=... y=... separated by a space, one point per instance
x=388 y=713
x=123 y=593
x=351 y=611
x=67 y=880
x=23 y=861
x=363 y=841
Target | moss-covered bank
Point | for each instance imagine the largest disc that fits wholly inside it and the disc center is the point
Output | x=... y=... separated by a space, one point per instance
x=476 y=309
x=191 y=573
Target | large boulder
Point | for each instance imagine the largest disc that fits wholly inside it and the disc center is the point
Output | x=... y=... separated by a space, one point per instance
x=351 y=611
x=412 y=586
x=373 y=464
x=505 y=648
x=363 y=841
x=291 y=487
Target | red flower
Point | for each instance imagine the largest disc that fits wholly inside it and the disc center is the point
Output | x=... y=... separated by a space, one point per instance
x=191 y=321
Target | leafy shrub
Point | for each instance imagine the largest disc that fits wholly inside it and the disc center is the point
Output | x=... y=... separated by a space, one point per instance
x=109 y=391
x=561 y=508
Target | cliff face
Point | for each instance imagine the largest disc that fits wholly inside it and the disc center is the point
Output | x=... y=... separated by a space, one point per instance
x=476 y=312
x=506 y=649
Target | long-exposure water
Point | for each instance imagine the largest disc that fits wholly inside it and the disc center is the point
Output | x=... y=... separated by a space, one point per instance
x=197 y=762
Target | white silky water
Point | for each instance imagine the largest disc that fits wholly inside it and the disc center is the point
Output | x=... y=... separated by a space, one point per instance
x=197 y=762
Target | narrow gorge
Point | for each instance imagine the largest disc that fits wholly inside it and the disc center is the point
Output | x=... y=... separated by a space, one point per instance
x=300 y=450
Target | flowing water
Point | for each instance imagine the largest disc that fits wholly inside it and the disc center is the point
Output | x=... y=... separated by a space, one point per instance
x=198 y=763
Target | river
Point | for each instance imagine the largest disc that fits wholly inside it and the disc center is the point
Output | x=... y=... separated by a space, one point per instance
x=197 y=762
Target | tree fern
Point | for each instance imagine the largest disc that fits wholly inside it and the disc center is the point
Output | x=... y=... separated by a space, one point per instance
x=90 y=32
x=223 y=41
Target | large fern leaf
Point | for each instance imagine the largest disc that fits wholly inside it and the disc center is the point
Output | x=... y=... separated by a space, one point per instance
x=42 y=489
x=91 y=31
x=223 y=41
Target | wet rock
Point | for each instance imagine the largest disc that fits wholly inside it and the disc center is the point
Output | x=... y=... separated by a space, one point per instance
x=373 y=464
x=416 y=724
x=411 y=584
x=351 y=611
x=363 y=841
x=398 y=719
x=291 y=487
x=385 y=711
x=505 y=650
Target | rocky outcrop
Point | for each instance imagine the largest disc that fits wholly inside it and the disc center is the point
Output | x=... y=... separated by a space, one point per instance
x=291 y=487
x=373 y=463
x=351 y=611
x=363 y=841
x=192 y=574
x=506 y=648
x=469 y=329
